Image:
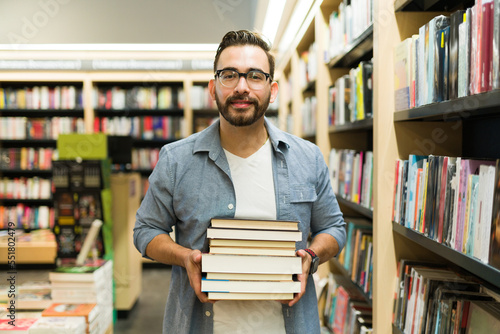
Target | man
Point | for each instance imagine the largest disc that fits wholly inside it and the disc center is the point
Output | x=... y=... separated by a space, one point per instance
x=241 y=166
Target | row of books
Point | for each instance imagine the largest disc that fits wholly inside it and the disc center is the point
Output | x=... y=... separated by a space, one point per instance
x=201 y=99
x=145 y=158
x=351 y=175
x=138 y=97
x=309 y=108
x=351 y=19
x=450 y=57
x=79 y=300
x=25 y=188
x=26 y=158
x=41 y=97
x=351 y=98
x=251 y=259
x=15 y=128
x=451 y=200
x=308 y=66
x=357 y=255
x=431 y=298
x=346 y=315
x=146 y=127
x=27 y=216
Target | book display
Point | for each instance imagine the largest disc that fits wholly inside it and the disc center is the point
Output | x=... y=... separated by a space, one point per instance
x=262 y=266
x=440 y=106
x=445 y=208
x=85 y=290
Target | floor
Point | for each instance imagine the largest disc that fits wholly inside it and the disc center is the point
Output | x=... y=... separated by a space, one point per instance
x=147 y=314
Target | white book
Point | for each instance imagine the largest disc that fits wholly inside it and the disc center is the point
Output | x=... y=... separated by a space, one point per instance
x=250 y=286
x=251 y=264
x=223 y=233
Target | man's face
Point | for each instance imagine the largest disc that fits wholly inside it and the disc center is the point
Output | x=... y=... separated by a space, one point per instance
x=241 y=105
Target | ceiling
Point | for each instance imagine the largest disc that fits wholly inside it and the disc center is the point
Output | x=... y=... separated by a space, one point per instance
x=128 y=21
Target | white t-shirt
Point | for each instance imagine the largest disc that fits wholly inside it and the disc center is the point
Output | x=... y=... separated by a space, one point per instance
x=255 y=199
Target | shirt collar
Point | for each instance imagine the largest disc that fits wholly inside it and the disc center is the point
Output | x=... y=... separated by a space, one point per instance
x=209 y=139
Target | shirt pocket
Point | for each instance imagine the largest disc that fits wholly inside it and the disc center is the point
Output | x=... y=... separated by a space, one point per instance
x=302 y=193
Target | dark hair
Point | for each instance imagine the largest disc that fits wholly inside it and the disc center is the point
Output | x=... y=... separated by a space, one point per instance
x=245 y=37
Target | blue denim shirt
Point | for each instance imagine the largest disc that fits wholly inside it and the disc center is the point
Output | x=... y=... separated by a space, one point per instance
x=192 y=183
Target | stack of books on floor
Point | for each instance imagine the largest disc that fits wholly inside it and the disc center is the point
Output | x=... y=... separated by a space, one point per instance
x=74 y=287
x=251 y=260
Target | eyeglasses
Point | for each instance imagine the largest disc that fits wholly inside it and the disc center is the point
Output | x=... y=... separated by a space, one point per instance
x=255 y=79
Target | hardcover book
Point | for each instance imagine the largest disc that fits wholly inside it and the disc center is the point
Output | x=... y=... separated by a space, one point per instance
x=226 y=233
x=208 y=285
x=251 y=264
x=254 y=224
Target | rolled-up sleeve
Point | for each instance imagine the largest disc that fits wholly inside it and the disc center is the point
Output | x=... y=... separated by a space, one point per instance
x=155 y=215
x=326 y=214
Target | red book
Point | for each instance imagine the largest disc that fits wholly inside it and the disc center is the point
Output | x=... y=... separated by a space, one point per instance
x=21 y=325
x=486 y=50
x=97 y=123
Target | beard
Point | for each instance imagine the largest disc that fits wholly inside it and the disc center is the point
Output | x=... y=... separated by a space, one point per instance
x=242 y=117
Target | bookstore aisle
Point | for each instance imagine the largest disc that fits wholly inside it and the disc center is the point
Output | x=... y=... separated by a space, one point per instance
x=148 y=311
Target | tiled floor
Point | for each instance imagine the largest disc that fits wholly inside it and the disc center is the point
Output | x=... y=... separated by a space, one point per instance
x=147 y=314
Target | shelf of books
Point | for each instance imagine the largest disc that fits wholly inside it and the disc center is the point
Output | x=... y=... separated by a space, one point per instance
x=327 y=86
x=444 y=143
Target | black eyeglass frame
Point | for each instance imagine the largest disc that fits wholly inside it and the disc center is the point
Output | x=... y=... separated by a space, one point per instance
x=217 y=74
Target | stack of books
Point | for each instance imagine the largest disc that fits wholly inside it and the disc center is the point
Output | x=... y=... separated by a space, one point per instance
x=91 y=283
x=251 y=260
x=53 y=318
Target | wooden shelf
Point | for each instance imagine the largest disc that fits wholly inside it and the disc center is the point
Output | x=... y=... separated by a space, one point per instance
x=485 y=272
x=310 y=88
x=26 y=172
x=469 y=107
x=130 y=112
x=152 y=142
x=396 y=330
x=430 y=5
x=41 y=112
x=14 y=202
x=360 y=48
x=28 y=143
x=368 y=213
x=362 y=125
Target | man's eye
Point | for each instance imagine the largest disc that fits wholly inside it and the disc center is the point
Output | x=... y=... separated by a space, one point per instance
x=256 y=76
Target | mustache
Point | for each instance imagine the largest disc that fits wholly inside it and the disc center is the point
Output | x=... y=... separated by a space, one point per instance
x=241 y=98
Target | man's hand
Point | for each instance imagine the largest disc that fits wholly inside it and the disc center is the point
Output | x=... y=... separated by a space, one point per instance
x=193 y=269
x=306 y=264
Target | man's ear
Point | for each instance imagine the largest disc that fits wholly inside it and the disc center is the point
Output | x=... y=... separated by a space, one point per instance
x=274 y=91
x=211 y=88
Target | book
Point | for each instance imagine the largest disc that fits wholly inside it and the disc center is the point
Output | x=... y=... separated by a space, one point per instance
x=88 y=311
x=91 y=272
x=249 y=296
x=495 y=47
x=494 y=251
x=253 y=251
x=250 y=277
x=208 y=285
x=21 y=325
x=402 y=75
x=456 y=19
x=225 y=233
x=254 y=224
x=483 y=317
x=59 y=325
x=251 y=264
x=251 y=243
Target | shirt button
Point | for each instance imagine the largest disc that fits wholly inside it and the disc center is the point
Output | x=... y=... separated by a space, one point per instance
x=207 y=313
x=230 y=206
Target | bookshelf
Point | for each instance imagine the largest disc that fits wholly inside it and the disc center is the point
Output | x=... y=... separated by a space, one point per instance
x=465 y=126
x=88 y=72
x=295 y=90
